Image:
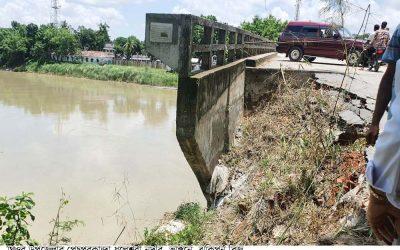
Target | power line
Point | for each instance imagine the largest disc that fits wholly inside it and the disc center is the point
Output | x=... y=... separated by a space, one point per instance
x=357 y=6
x=369 y=14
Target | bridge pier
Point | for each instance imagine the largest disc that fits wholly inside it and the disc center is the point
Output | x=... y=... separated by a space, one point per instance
x=208 y=111
x=210 y=104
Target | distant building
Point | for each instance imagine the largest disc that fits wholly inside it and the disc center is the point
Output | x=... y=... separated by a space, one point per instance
x=98 y=57
x=140 y=58
x=109 y=47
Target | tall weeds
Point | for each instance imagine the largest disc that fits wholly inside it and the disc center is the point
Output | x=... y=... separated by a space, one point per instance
x=140 y=75
x=289 y=152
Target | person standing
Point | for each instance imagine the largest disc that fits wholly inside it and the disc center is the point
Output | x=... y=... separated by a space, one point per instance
x=372 y=36
x=383 y=171
x=369 y=46
x=382 y=37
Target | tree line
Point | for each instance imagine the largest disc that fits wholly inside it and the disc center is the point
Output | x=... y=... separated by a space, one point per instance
x=269 y=27
x=22 y=43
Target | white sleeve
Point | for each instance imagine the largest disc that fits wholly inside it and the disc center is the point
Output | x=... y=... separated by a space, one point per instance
x=371 y=37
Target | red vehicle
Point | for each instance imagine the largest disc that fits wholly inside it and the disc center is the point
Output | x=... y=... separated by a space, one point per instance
x=310 y=39
x=376 y=59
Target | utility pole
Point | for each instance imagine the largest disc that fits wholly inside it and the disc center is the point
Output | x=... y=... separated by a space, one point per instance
x=54 y=13
x=298 y=3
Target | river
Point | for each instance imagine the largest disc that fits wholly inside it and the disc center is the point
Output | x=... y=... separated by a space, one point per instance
x=110 y=147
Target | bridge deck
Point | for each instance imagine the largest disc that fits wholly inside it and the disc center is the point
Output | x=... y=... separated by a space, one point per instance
x=365 y=83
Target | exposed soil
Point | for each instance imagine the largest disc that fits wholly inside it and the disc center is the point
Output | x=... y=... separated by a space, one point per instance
x=290 y=182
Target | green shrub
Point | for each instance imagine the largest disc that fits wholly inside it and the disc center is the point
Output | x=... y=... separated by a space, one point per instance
x=140 y=75
x=190 y=212
x=14 y=216
x=193 y=217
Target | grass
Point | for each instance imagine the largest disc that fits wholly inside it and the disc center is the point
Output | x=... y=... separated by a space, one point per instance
x=294 y=166
x=140 y=75
x=193 y=216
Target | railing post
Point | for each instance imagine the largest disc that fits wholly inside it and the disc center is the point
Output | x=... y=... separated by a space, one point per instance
x=239 y=51
x=185 y=47
x=221 y=53
x=253 y=51
x=232 y=41
x=246 y=50
x=206 y=60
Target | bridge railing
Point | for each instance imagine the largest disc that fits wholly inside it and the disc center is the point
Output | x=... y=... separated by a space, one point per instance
x=169 y=37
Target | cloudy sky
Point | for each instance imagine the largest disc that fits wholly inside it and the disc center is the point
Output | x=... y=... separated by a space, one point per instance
x=127 y=17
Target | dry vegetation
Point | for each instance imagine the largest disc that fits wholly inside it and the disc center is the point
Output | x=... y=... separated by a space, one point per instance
x=296 y=175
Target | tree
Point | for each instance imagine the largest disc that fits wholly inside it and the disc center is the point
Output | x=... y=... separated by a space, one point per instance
x=102 y=36
x=87 y=38
x=64 y=43
x=42 y=49
x=22 y=43
x=119 y=44
x=269 y=27
x=64 y=24
x=54 y=43
x=15 y=25
x=198 y=30
x=13 y=48
x=31 y=31
x=132 y=46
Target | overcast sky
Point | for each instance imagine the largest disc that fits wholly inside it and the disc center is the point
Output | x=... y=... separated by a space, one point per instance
x=127 y=17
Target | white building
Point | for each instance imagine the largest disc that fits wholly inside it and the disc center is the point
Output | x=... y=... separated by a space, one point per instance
x=109 y=48
x=97 y=57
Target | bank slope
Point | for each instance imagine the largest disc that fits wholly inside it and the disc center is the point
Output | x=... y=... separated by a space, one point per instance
x=297 y=173
x=140 y=75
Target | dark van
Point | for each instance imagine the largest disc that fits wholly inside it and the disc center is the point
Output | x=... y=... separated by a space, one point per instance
x=310 y=39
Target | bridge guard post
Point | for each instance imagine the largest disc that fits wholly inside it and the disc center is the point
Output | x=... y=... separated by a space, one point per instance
x=221 y=53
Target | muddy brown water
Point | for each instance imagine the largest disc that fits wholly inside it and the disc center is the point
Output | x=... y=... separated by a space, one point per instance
x=110 y=147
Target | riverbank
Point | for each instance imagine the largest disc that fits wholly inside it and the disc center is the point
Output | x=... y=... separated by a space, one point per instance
x=295 y=177
x=99 y=134
x=140 y=75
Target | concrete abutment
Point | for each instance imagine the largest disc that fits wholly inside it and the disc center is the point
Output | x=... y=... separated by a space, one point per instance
x=209 y=108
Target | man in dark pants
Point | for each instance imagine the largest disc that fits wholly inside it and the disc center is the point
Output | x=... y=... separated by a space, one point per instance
x=368 y=48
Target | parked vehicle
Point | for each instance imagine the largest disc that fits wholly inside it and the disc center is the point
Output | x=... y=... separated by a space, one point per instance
x=309 y=40
x=376 y=59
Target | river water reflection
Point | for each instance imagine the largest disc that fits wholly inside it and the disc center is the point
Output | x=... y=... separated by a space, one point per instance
x=110 y=147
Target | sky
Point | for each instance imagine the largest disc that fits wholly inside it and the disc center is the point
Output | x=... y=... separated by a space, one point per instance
x=127 y=17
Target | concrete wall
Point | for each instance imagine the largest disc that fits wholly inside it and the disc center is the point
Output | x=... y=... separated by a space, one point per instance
x=210 y=106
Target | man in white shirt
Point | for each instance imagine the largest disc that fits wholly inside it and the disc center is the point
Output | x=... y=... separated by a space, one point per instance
x=372 y=36
x=369 y=48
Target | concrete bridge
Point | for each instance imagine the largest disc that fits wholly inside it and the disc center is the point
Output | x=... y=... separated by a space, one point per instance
x=211 y=101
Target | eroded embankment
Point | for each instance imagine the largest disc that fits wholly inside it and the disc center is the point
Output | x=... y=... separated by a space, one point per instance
x=296 y=173
x=296 y=178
